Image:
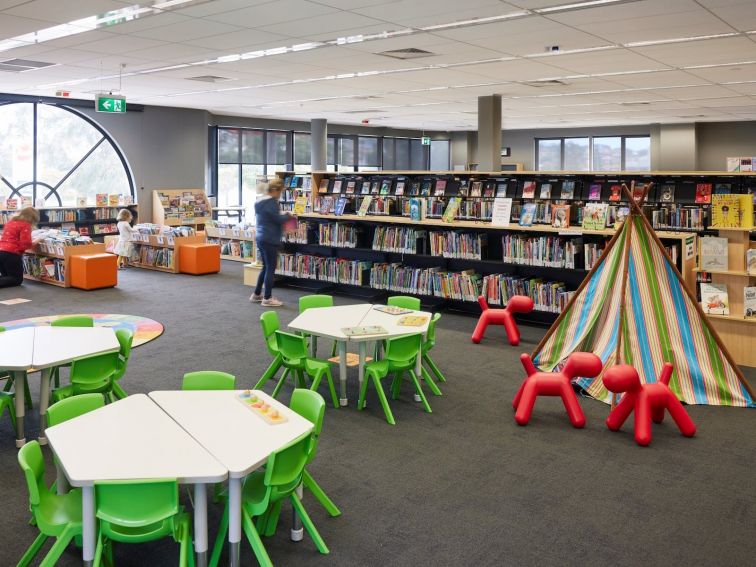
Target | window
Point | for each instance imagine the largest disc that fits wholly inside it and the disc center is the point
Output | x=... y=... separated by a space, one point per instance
x=439 y=155
x=302 y=152
x=367 y=154
x=599 y=153
x=402 y=155
x=389 y=162
x=418 y=151
x=278 y=151
x=34 y=164
x=347 y=157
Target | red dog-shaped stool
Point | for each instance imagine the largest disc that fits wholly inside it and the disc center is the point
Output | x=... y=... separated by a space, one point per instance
x=647 y=400
x=537 y=383
x=516 y=304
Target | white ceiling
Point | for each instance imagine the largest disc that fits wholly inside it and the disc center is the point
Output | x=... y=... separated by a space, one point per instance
x=626 y=62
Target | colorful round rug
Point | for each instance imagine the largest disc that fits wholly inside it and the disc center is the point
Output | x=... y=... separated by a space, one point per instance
x=144 y=329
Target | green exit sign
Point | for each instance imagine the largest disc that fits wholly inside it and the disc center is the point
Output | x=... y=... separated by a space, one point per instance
x=426 y=140
x=110 y=103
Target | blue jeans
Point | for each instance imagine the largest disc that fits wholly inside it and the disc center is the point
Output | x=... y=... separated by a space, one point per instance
x=269 y=256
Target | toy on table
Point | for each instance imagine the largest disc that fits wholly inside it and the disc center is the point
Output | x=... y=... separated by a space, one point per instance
x=516 y=304
x=412 y=321
x=583 y=364
x=647 y=400
x=392 y=309
x=261 y=408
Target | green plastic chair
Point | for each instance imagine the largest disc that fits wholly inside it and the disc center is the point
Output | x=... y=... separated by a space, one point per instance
x=8 y=377
x=88 y=375
x=8 y=401
x=400 y=357
x=208 y=380
x=428 y=344
x=75 y=406
x=125 y=339
x=69 y=321
x=57 y=516
x=313 y=301
x=137 y=511
x=404 y=301
x=264 y=489
x=294 y=356
x=270 y=323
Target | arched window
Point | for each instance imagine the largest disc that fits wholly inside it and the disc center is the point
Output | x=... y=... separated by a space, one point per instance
x=55 y=155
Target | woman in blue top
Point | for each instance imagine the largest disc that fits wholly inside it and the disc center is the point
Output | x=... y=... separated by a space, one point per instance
x=269 y=226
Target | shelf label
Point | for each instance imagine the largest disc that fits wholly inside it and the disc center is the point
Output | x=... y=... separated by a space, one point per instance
x=160 y=240
x=570 y=233
x=690 y=248
x=502 y=211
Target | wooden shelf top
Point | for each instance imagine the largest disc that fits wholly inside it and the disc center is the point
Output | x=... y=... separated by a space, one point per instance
x=45 y=280
x=731 y=229
x=741 y=273
x=735 y=318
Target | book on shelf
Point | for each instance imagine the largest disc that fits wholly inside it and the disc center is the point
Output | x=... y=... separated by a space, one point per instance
x=425 y=188
x=749 y=301
x=326 y=205
x=722 y=188
x=476 y=189
x=667 y=194
x=450 y=212
x=464 y=188
x=418 y=209
x=340 y=205
x=638 y=190
x=399 y=190
x=386 y=187
x=725 y=211
x=550 y=251
x=568 y=190
x=751 y=261
x=547 y=296
x=703 y=193
x=323 y=187
x=337 y=186
x=527 y=215
x=545 y=191
x=414 y=188
x=81 y=201
x=114 y=200
x=501 y=189
x=501 y=214
x=615 y=193
x=375 y=187
x=594 y=216
x=714 y=299
x=350 y=187
x=489 y=188
x=528 y=190
x=560 y=216
x=101 y=200
x=300 y=205
x=364 y=206
x=365 y=189
x=594 y=192
x=440 y=189
x=714 y=254
x=620 y=214
x=306 y=183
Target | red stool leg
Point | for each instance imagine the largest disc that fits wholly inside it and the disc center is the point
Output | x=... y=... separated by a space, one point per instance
x=642 y=422
x=513 y=332
x=571 y=404
x=682 y=419
x=620 y=413
x=527 y=401
x=480 y=328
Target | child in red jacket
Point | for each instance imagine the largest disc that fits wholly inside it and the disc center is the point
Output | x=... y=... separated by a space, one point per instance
x=15 y=240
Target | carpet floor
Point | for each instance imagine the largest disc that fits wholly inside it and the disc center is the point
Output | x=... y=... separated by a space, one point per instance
x=461 y=486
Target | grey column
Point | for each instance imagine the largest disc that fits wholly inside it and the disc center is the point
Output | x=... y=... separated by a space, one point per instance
x=489 y=133
x=318 y=144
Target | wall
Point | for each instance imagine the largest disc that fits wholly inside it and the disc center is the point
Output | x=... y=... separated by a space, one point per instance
x=717 y=141
x=676 y=148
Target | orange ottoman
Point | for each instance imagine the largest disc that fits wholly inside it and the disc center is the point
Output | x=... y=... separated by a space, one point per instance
x=94 y=271
x=199 y=258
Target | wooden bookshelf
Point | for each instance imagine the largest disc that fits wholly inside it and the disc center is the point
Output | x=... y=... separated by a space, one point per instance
x=68 y=252
x=735 y=329
x=163 y=213
x=164 y=242
x=83 y=218
x=226 y=235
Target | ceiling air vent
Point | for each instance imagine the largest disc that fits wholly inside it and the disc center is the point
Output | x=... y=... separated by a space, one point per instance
x=546 y=83
x=20 y=65
x=209 y=79
x=407 y=53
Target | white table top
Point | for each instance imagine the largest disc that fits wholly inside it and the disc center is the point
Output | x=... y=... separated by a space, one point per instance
x=328 y=321
x=17 y=349
x=61 y=345
x=389 y=322
x=232 y=433
x=127 y=440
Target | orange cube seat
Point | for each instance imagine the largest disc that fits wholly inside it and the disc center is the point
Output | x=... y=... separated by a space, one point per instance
x=94 y=271
x=199 y=258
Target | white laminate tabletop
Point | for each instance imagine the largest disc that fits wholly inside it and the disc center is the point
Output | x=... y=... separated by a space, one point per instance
x=17 y=349
x=390 y=323
x=127 y=440
x=231 y=432
x=60 y=345
x=328 y=321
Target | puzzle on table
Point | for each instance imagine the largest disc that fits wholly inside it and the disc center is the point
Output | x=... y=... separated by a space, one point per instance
x=412 y=321
x=364 y=330
x=261 y=408
x=392 y=309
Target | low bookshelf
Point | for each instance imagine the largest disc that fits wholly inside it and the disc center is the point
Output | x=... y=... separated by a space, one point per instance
x=181 y=207
x=237 y=244
x=160 y=252
x=52 y=264
x=95 y=222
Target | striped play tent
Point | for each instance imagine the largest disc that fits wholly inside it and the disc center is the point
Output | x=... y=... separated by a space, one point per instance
x=633 y=308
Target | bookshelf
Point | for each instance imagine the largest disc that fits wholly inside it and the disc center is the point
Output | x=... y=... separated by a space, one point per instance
x=89 y=221
x=735 y=330
x=181 y=207
x=60 y=260
x=295 y=185
x=237 y=244
x=161 y=252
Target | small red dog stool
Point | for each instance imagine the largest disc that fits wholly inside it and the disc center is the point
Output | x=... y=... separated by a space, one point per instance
x=516 y=304
x=648 y=401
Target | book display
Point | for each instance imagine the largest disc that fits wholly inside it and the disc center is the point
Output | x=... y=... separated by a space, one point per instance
x=51 y=260
x=156 y=247
x=86 y=220
x=297 y=194
x=181 y=207
x=237 y=242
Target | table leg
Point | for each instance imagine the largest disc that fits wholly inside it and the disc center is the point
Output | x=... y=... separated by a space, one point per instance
x=19 y=385
x=88 y=523
x=418 y=373
x=343 y=371
x=314 y=346
x=61 y=482
x=200 y=523
x=297 y=531
x=361 y=368
x=234 y=520
x=44 y=402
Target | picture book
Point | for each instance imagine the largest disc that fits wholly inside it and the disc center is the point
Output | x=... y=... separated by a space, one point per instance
x=323 y=187
x=340 y=205
x=560 y=216
x=749 y=301
x=101 y=200
x=476 y=189
x=414 y=188
x=746 y=211
x=713 y=253
x=638 y=190
x=306 y=183
x=350 y=187
x=385 y=187
x=594 y=192
x=425 y=188
x=568 y=190
x=440 y=187
x=417 y=209
x=399 y=188
x=594 y=216
x=81 y=201
x=375 y=186
x=714 y=299
x=413 y=321
x=364 y=206
x=725 y=211
x=528 y=190
x=545 y=191
x=703 y=193
x=326 y=204
x=615 y=193
x=365 y=189
x=488 y=189
x=392 y=309
x=450 y=213
x=300 y=205
x=621 y=214
x=501 y=189
x=114 y=200
x=527 y=215
x=337 y=186
x=722 y=188
x=464 y=188
x=364 y=330
x=751 y=261
x=667 y=194
x=502 y=211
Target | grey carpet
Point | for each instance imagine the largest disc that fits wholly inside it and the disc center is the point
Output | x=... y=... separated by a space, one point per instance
x=461 y=486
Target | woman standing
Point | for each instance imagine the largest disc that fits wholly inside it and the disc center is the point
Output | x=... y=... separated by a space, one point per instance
x=15 y=240
x=269 y=223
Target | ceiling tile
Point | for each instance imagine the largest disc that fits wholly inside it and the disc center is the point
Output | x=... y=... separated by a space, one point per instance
x=708 y=52
x=328 y=24
x=241 y=41
x=187 y=30
x=63 y=12
x=264 y=15
x=609 y=61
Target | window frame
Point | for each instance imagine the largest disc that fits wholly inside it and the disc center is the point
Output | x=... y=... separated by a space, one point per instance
x=623 y=149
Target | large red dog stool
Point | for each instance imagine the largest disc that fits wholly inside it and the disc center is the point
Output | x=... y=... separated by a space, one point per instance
x=516 y=304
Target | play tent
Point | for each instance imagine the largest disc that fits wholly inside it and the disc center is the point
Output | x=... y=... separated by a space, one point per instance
x=633 y=308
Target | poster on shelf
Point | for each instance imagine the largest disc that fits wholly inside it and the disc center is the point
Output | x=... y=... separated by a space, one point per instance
x=690 y=247
x=502 y=211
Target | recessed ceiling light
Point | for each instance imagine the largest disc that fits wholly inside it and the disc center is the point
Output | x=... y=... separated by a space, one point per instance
x=579 y=6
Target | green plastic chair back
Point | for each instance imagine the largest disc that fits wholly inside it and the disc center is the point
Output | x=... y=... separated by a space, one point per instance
x=310 y=301
x=292 y=348
x=73 y=321
x=403 y=349
x=125 y=339
x=404 y=301
x=136 y=504
x=33 y=464
x=93 y=374
x=73 y=407
x=430 y=336
x=2 y=329
x=270 y=324
x=209 y=380
x=311 y=406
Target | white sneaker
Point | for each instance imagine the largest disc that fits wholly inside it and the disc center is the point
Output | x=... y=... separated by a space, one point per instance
x=255 y=298
x=271 y=302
